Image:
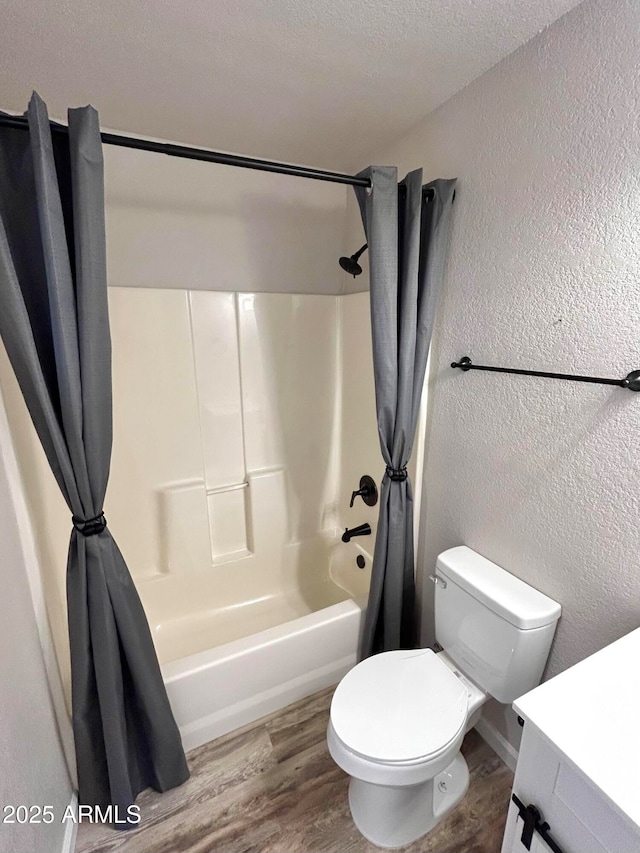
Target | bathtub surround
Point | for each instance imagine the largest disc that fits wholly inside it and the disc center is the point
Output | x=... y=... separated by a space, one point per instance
x=536 y=475
x=245 y=411
x=407 y=227
x=54 y=323
x=242 y=422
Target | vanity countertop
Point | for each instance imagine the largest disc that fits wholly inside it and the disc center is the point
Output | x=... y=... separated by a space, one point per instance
x=591 y=713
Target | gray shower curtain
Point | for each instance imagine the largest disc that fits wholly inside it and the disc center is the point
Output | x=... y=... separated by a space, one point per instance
x=55 y=326
x=407 y=232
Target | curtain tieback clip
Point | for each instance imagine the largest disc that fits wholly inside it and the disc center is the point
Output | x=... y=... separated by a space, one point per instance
x=90 y=526
x=397 y=474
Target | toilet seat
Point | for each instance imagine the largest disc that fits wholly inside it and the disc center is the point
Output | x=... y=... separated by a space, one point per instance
x=401 y=707
x=402 y=762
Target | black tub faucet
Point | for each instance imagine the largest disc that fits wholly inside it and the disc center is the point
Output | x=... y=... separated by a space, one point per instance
x=361 y=530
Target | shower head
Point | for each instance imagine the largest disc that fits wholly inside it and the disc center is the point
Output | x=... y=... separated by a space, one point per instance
x=351 y=264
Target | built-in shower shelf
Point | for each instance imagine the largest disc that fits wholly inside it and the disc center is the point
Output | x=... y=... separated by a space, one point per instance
x=231 y=557
x=232 y=488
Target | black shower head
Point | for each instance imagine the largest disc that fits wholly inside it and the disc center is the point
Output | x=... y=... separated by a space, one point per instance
x=351 y=264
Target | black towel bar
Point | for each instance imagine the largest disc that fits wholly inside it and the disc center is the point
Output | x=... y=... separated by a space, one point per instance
x=631 y=380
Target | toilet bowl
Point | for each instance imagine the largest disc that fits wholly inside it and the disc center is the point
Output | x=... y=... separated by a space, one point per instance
x=398 y=719
x=396 y=725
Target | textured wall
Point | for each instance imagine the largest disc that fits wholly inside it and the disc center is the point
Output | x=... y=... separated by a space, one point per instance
x=540 y=476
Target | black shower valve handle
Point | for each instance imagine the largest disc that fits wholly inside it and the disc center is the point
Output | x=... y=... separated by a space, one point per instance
x=368 y=491
x=354 y=495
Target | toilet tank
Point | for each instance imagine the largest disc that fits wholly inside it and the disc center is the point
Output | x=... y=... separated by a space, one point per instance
x=494 y=626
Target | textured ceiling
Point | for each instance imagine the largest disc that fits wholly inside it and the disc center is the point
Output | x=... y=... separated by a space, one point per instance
x=321 y=82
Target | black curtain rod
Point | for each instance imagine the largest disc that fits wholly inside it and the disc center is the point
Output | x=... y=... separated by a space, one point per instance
x=184 y=151
x=631 y=380
x=172 y=150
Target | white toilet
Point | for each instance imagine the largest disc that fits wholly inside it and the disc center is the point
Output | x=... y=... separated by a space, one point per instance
x=398 y=718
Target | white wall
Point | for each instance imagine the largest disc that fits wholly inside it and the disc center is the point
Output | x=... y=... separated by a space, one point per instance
x=184 y=224
x=33 y=770
x=544 y=273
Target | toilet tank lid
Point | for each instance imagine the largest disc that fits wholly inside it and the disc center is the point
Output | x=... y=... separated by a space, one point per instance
x=503 y=593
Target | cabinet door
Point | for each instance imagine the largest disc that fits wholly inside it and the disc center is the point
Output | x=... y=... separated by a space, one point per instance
x=581 y=818
x=538 y=845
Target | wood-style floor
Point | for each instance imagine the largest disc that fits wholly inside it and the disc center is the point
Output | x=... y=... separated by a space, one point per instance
x=272 y=787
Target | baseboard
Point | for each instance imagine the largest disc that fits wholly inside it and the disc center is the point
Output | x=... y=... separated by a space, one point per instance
x=71 y=827
x=498 y=743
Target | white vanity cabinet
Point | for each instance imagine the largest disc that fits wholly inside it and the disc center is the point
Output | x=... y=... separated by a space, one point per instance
x=579 y=761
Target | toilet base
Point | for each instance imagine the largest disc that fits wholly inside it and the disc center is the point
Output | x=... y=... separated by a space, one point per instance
x=390 y=816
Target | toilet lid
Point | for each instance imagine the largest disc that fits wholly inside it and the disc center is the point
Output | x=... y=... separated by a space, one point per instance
x=399 y=706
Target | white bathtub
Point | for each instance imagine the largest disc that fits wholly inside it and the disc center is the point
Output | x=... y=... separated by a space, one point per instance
x=230 y=663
